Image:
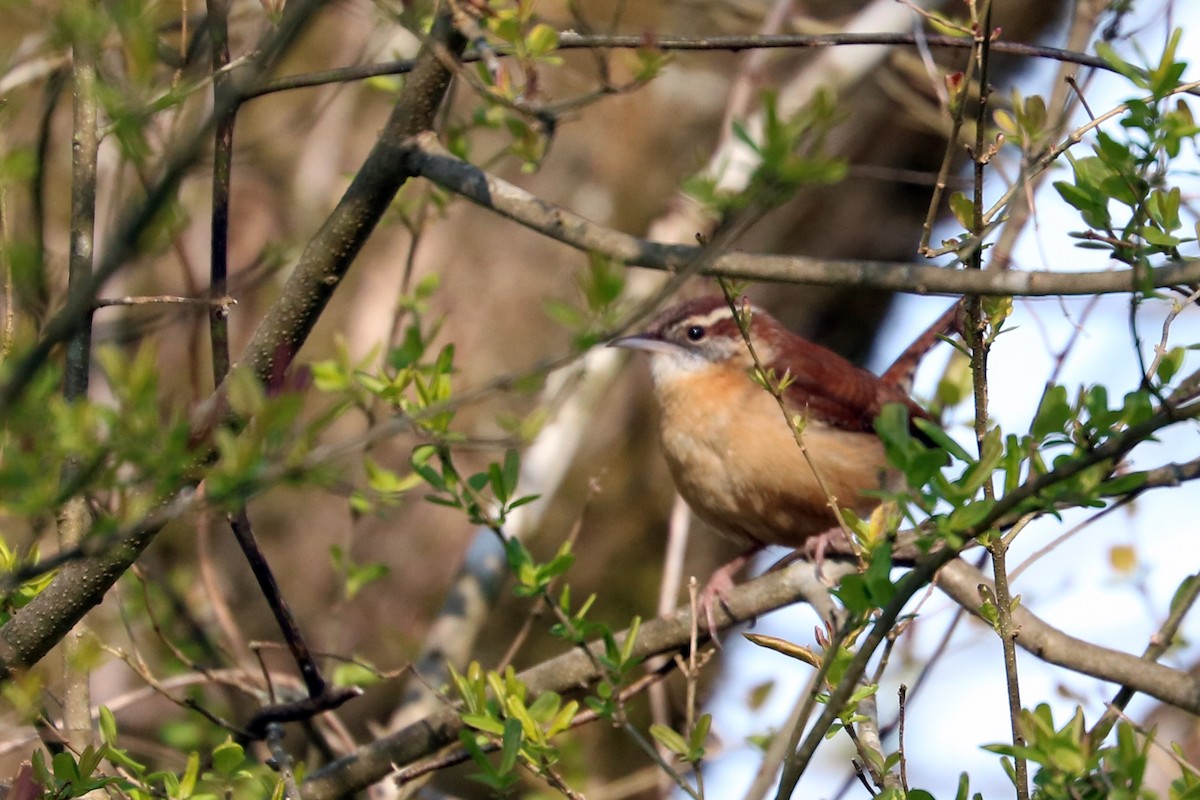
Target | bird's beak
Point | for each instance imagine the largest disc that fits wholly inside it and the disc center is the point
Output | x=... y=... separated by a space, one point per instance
x=646 y=342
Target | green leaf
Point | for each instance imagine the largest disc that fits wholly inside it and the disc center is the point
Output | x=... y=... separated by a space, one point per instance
x=485 y=723
x=1163 y=207
x=1052 y=414
x=545 y=706
x=892 y=425
x=563 y=719
x=510 y=746
x=65 y=768
x=330 y=376
x=1158 y=238
x=421 y=456
x=971 y=515
x=108 y=726
x=1169 y=366
x=564 y=314
x=510 y=472
x=227 y=757
x=1093 y=206
x=385 y=481
x=1114 y=60
x=541 y=40
x=963 y=209
x=943 y=439
x=245 y=393
x=669 y=739
x=191 y=773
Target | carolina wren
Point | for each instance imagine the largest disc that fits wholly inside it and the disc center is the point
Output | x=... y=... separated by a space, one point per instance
x=731 y=450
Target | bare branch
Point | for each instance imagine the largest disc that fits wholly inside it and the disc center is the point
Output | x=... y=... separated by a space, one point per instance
x=424 y=156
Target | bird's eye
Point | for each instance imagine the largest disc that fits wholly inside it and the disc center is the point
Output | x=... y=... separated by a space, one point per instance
x=695 y=333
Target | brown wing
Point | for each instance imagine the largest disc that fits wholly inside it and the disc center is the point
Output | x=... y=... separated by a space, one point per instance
x=831 y=389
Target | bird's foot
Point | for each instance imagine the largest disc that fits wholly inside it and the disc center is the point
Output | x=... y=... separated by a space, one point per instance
x=717 y=590
x=815 y=546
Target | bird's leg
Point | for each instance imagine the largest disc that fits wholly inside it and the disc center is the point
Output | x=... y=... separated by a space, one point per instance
x=816 y=548
x=718 y=587
x=835 y=540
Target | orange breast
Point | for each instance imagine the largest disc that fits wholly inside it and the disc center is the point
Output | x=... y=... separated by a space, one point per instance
x=739 y=468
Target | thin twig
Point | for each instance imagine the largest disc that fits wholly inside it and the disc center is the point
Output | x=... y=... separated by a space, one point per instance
x=568 y=40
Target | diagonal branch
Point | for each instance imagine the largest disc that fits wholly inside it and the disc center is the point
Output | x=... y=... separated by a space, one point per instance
x=574 y=669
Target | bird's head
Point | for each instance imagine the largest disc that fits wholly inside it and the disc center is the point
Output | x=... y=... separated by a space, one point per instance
x=696 y=335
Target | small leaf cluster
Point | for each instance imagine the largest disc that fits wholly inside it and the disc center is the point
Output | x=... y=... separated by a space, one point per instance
x=68 y=776
x=411 y=379
x=1122 y=191
x=600 y=286
x=530 y=41
x=791 y=154
x=1061 y=432
x=618 y=662
x=486 y=497
x=1071 y=767
x=1025 y=123
x=533 y=579
x=872 y=588
x=495 y=707
x=414 y=381
x=355 y=576
x=271 y=445
x=510 y=88
x=230 y=774
x=20 y=595
x=689 y=750
x=55 y=449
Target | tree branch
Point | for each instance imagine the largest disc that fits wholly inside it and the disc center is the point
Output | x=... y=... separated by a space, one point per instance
x=424 y=156
x=962 y=582
x=126 y=240
x=568 y=40
x=574 y=669
x=571 y=670
x=37 y=627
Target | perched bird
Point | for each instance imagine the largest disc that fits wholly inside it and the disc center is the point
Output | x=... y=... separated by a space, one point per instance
x=729 y=446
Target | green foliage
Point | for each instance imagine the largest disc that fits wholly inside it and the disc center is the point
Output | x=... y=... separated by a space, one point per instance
x=231 y=775
x=618 y=662
x=863 y=592
x=691 y=749
x=1062 y=431
x=600 y=286
x=125 y=456
x=272 y=446
x=1071 y=767
x=791 y=155
x=1123 y=191
x=495 y=707
x=68 y=776
x=19 y=595
x=1025 y=122
x=414 y=381
x=486 y=497
x=534 y=579
x=355 y=576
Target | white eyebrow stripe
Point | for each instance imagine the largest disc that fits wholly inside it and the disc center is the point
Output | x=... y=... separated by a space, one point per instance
x=712 y=317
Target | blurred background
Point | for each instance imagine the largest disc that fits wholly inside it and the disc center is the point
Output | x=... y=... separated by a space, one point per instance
x=620 y=162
